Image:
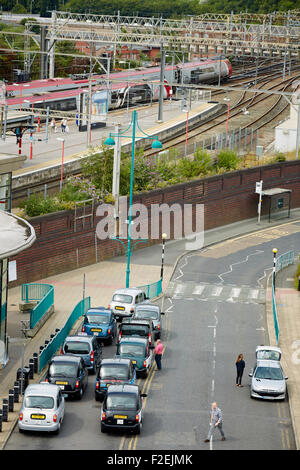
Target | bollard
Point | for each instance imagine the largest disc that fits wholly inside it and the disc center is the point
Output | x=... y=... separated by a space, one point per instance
x=16 y=391
x=5 y=409
x=57 y=330
x=35 y=362
x=10 y=400
x=1 y=419
x=31 y=368
x=298 y=283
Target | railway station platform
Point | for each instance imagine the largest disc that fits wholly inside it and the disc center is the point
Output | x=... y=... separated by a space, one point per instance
x=47 y=156
x=105 y=277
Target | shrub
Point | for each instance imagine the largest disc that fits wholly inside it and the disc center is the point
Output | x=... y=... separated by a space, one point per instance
x=227 y=159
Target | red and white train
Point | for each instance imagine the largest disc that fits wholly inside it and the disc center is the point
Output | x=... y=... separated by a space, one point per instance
x=126 y=88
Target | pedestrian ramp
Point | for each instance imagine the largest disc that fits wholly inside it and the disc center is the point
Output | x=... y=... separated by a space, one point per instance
x=218 y=292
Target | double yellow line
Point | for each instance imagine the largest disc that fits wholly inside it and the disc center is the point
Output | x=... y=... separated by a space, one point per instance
x=132 y=443
x=285 y=435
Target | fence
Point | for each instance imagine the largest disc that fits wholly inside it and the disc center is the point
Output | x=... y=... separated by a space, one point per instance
x=152 y=290
x=282 y=262
x=44 y=294
x=53 y=346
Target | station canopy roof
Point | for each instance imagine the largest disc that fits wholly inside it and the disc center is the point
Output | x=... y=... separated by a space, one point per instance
x=16 y=234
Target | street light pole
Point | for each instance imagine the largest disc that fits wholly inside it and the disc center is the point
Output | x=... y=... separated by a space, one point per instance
x=274 y=266
x=130 y=197
x=156 y=145
x=62 y=161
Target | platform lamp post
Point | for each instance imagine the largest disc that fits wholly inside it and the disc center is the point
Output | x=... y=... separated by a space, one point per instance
x=155 y=145
x=227 y=99
x=62 y=161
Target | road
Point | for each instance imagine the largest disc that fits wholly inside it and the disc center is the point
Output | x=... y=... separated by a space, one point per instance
x=215 y=310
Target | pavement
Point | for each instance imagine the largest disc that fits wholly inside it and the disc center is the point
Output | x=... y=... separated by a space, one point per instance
x=288 y=312
x=103 y=278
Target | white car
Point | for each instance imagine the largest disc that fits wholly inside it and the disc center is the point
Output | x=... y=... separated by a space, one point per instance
x=124 y=301
x=267 y=379
x=42 y=409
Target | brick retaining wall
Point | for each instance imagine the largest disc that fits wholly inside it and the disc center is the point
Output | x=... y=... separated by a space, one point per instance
x=227 y=198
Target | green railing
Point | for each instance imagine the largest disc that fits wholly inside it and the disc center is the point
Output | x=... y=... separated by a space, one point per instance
x=47 y=353
x=44 y=294
x=282 y=262
x=152 y=290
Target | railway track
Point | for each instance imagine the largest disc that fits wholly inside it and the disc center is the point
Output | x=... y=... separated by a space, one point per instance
x=240 y=101
x=273 y=107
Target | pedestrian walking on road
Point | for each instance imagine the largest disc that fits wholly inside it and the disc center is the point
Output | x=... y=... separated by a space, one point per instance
x=158 y=350
x=240 y=366
x=216 y=421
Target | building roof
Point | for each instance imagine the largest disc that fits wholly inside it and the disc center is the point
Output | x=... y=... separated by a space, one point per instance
x=16 y=234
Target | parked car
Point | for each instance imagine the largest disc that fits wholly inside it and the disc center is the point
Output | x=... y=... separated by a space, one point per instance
x=272 y=353
x=152 y=312
x=268 y=381
x=124 y=302
x=113 y=372
x=122 y=409
x=136 y=327
x=100 y=323
x=138 y=350
x=86 y=347
x=42 y=409
x=69 y=373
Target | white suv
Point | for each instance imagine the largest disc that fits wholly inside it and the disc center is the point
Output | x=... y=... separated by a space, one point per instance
x=124 y=301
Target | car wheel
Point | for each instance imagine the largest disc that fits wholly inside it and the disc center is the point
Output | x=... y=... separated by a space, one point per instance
x=103 y=428
x=80 y=394
x=56 y=432
x=139 y=428
x=145 y=375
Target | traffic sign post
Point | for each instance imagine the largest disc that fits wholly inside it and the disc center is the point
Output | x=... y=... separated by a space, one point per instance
x=259 y=191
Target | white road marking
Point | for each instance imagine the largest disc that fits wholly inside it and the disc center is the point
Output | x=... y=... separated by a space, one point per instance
x=235 y=292
x=217 y=291
x=198 y=290
x=253 y=294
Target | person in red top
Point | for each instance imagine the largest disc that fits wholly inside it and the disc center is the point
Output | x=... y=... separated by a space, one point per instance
x=158 y=350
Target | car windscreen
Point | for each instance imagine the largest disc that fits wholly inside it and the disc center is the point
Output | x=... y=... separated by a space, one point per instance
x=121 y=401
x=63 y=369
x=134 y=350
x=148 y=314
x=97 y=319
x=141 y=330
x=42 y=402
x=271 y=373
x=268 y=355
x=122 y=298
x=117 y=371
x=77 y=347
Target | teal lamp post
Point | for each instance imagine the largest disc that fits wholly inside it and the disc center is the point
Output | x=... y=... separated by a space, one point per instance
x=155 y=145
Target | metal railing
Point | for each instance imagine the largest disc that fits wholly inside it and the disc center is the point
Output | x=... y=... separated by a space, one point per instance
x=43 y=294
x=282 y=262
x=53 y=346
x=152 y=290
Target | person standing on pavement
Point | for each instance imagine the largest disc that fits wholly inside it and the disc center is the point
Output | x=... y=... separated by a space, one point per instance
x=216 y=421
x=240 y=366
x=63 y=125
x=158 y=350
